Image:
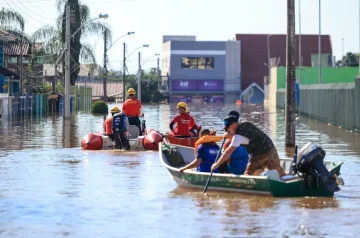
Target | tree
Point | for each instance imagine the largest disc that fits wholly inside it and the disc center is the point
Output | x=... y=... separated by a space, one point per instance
x=149 y=83
x=11 y=19
x=349 y=60
x=54 y=37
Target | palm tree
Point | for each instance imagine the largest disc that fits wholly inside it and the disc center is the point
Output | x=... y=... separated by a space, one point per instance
x=13 y=23
x=54 y=37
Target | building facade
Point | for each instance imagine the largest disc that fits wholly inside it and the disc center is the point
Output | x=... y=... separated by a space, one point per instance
x=260 y=52
x=201 y=71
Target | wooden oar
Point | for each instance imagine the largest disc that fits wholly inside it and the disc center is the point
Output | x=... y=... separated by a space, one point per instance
x=218 y=156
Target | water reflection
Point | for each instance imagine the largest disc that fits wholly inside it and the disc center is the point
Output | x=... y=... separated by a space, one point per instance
x=47 y=182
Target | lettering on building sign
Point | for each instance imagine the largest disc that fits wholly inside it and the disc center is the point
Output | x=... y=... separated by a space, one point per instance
x=209 y=84
x=184 y=84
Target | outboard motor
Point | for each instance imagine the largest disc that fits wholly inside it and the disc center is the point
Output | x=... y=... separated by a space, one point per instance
x=310 y=163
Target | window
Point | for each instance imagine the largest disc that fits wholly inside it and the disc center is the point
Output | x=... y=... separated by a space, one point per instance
x=210 y=63
x=201 y=63
x=12 y=60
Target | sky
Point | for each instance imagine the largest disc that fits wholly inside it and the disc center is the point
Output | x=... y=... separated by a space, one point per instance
x=207 y=19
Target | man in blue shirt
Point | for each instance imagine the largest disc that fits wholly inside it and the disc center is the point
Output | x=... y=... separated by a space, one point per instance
x=205 y=155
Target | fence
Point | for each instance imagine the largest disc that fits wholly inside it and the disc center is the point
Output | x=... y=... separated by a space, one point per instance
x=338 y=104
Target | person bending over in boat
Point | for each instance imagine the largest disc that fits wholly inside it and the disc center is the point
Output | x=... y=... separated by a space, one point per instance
x=206 y=151
x=185 y=124
x=238 y=160
x=259 y=146
x=108 y=123
x=120 y=124
x=132 y=109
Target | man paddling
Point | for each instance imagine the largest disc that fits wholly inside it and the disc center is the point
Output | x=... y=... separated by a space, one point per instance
x=259 y=146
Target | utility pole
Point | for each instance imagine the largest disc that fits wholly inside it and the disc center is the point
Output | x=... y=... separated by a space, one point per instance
x=124 y=66
x=268 y=51
x=158 y=73
x=21 y=67
x=139 y=78
x=290 y=76
x=342 y=52
x=320 y=76
x=300 y=53
x=67 y=66
x=105 y=67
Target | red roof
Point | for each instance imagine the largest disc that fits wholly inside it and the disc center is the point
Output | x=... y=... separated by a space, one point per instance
x=15 y=49
x=254 y=53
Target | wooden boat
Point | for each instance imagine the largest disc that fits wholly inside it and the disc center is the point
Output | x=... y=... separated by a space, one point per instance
x=173 y=157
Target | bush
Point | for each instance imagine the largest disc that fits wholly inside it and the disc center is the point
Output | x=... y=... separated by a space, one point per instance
x=99 y=107
x=156 y=97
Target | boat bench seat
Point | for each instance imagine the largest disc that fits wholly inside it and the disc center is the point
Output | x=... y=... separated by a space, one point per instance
x=289 y=177
x=174 y=158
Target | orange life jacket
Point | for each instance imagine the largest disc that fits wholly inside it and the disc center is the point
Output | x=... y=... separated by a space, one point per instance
x=206 y=139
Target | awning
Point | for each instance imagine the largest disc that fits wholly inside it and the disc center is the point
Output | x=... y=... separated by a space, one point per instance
x=8 y=73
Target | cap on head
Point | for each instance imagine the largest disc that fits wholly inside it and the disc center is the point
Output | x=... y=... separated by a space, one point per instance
x=234 y=113
x=131 y=91
x=115 y=110
x=229 y=120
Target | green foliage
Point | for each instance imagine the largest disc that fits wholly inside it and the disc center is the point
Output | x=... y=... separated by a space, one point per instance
x=349 y=60
x=99 y=107
x=149 y=86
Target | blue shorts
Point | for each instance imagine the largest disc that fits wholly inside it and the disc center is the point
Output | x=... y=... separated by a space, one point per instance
x=237 y=166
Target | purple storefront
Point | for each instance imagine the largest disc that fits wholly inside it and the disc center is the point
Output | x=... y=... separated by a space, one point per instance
x=197 y=91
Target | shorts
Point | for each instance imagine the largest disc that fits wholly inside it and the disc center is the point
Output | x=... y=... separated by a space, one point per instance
x=269 y=160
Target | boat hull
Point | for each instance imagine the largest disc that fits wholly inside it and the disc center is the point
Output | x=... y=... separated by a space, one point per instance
x=189 y=142
x=263 y=185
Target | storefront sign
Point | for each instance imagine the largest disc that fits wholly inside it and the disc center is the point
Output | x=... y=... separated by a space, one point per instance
x=210 y=85
x=183 y=85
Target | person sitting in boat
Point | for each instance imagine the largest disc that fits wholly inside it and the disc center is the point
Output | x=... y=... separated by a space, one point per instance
x=185 y=124
x=120 y=124
x=197 y=127
x=132 y=109
x=108 y=123
x=259 y=146
x=206 y=151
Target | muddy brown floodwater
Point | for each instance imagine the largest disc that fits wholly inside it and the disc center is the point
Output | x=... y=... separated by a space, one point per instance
x=50 y=188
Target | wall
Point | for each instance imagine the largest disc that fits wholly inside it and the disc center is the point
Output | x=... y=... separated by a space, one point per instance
x=254 y=53
x=232 y=82
x=333 y=103
x=181 y=49
x=310 y=75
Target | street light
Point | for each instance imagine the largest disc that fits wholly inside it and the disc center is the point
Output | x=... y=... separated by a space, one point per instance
x=143 y=46
x=104 y=16
x=150 y=58
x=124 y=65
x=129 y=33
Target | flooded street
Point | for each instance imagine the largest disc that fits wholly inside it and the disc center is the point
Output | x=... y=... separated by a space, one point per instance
x=49 y=187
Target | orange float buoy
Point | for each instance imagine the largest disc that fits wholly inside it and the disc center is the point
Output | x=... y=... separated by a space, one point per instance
x=92 y=142
x=238 y=102
x=151 y=140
